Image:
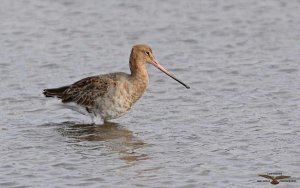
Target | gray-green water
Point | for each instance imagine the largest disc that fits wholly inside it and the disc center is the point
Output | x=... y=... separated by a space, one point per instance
x=239 y=119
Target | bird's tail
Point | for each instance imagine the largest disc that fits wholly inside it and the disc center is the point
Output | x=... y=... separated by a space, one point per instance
x=55 y=92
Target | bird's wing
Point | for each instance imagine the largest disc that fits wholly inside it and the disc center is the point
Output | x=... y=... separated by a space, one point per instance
x=266 y=176
x=282 y=177
x=86 y=91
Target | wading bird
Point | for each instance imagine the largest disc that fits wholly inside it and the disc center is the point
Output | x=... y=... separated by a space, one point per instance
x=110 y=96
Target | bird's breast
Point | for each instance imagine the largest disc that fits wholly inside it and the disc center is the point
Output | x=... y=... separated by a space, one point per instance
x=119 y=100
x=129 y=92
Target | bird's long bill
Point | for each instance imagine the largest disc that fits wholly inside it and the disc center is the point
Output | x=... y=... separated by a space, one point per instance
x=157 y=65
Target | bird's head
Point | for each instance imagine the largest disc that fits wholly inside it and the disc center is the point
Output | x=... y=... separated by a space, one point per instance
x=142 y=53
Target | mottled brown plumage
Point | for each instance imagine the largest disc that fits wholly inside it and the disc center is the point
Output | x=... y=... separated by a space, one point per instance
x=111 y=95
x=85 y=91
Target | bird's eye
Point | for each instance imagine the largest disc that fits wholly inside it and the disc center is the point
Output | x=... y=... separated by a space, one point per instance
x=147 y=53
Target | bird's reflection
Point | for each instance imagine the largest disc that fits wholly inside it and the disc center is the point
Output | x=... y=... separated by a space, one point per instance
x=112 y=135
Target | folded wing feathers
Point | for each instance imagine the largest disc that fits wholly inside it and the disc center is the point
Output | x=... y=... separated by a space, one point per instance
x=83 y=92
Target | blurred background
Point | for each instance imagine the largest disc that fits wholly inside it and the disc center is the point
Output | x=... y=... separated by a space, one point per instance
x=239 y=119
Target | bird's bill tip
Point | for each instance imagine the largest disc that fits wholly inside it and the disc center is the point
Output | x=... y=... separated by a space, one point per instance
x=157 y=65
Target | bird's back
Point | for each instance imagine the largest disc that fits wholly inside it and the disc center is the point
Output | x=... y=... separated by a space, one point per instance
x=109 y=95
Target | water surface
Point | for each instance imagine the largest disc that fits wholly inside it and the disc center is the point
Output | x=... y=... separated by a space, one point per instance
x=239 y=119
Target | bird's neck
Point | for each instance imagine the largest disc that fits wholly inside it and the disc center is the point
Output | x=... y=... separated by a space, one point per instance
x=138 y=67
x=139 y=74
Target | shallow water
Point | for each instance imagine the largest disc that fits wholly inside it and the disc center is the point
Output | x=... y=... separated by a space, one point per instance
x=239 y=119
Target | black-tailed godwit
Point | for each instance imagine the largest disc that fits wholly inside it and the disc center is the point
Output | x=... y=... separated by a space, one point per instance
x=110 y=96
